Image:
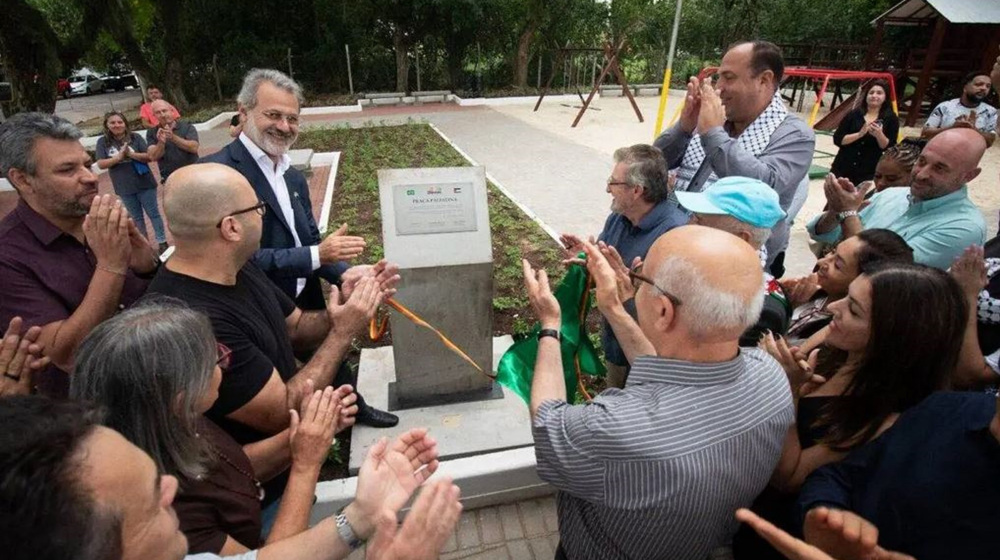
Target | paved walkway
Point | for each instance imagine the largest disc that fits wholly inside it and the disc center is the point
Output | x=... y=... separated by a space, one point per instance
x=527 y=530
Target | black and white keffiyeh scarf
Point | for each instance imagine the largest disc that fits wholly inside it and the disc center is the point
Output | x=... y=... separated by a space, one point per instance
x=989 y=307
x=754 y=139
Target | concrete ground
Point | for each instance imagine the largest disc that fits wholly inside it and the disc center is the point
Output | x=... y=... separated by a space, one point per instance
x=82 y=108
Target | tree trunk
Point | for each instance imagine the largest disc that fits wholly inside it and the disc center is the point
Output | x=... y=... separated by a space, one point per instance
x=173 y=74
x=30 y=51
x=523 y=54
x=174 y=82
x=399 y=43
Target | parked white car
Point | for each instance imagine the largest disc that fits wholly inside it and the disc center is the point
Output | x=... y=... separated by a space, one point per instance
x=85 y=85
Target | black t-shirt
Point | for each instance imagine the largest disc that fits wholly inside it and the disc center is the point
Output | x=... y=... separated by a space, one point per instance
x=249 y=318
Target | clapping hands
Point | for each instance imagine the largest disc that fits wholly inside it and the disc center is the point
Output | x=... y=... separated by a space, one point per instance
x=20 y=358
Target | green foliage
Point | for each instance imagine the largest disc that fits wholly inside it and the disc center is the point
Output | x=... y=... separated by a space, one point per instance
x=466 y=45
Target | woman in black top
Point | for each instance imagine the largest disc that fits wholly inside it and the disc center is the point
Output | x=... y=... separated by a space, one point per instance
x=864 y=134
x=886 y=350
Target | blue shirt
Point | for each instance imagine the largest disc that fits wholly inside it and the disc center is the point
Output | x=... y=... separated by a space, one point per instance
x=937 y=230
x=931 y=483
x=633 y=241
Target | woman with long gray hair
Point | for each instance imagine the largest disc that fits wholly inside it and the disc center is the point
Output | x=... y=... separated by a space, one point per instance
x=156 y=369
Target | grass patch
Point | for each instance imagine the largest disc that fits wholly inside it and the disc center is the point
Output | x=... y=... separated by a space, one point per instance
x=366 y=150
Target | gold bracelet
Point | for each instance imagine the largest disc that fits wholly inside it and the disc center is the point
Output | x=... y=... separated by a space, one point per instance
x=111 y=270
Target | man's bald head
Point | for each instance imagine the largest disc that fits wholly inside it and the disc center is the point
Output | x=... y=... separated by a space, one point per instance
x=716 y=276
x=948 y=161
x=198 y=196
x=163 y=111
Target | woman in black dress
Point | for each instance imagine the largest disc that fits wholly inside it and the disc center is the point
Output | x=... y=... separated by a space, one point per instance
x=864 y=134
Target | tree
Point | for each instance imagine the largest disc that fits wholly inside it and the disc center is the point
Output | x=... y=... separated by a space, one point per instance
x=33 y=54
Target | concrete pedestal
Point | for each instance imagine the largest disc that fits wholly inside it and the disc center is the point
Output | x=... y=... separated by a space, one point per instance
x=461 y=429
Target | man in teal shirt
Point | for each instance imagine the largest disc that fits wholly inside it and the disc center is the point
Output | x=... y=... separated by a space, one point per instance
x=934 y=214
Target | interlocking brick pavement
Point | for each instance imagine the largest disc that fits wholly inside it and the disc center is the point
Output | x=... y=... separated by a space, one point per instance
x=526 y=530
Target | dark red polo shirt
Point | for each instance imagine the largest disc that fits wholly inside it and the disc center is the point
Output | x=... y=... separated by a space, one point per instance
x=44 y=275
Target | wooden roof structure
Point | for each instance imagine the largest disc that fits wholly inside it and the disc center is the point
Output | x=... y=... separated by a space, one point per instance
x=964 y=38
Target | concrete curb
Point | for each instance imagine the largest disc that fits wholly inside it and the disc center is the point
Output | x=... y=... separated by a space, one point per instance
x=534 y=217
x=521 y=100
x=485 y=480
x=333 y=160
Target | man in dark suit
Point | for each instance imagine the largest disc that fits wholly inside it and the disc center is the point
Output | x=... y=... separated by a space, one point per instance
x=292 y=254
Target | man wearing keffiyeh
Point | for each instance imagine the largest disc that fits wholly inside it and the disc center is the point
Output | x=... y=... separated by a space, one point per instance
x=740 y=126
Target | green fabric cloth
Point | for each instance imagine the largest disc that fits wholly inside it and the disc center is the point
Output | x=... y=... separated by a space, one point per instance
x=517 y=366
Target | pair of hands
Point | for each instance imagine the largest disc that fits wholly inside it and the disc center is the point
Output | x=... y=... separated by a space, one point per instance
x=387 y=479
x=165 y=133
x=606 y=268
x=969 y=270
x=363 y=288
x=872 y=128
x=966 y=121
x=842 y=195
x=832 y=534
x=20 y=357
x=114 y=239
x=800 y=290
x=800 y=368
x=703 y=108
x=323 y=415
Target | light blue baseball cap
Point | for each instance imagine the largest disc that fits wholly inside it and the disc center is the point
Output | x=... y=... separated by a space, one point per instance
x=748 y=200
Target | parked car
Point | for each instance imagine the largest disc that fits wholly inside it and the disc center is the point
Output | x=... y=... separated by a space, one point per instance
x=62 y=87
x=85 y=85
x=120 y=82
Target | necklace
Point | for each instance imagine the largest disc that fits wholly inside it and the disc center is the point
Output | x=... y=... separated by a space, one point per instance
x=256 y=483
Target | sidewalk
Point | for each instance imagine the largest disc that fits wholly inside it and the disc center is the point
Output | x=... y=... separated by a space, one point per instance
x=527 y=530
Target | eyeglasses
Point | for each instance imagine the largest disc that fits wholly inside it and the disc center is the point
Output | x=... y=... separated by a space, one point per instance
x=260 y=208
x=276 y=116
x=635 y=275
x=225 y=356
x=612 y=182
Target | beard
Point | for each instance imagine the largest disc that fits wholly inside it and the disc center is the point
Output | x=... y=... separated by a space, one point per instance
x=273 y=141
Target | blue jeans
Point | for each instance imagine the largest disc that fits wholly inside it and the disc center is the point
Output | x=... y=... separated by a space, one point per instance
x=145 y=200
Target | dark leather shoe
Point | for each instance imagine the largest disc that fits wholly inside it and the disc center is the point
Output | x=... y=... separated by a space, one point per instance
x=376 y=418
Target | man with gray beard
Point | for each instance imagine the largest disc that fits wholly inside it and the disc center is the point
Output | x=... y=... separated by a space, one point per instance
x=292 y=253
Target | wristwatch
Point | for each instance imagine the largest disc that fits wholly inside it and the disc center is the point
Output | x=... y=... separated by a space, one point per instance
x=347 y=533
x=841 y=216
x=549 y=332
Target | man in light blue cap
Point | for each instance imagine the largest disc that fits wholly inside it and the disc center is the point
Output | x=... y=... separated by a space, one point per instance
x=748 y=209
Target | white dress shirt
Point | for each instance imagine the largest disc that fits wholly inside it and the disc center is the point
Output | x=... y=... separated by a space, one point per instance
x=275 y=175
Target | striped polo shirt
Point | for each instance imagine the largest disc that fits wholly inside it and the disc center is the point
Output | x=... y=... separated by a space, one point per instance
x=657 y=470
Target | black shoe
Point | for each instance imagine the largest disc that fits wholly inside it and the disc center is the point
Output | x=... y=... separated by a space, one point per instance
x=376 y=418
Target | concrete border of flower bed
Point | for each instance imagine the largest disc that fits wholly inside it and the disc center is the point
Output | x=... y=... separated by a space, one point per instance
x=519 y=100
x=485 y=480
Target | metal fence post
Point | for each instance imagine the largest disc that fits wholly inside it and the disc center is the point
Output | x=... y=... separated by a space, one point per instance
x=290 y=74
x=350 y=79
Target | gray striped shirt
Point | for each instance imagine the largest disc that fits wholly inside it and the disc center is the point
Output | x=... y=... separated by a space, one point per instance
x=657 y=470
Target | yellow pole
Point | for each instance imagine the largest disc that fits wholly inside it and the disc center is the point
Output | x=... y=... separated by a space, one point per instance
x=664 y=93
x=665 y=89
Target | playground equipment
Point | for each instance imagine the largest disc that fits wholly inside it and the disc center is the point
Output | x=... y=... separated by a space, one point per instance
x=611 y=57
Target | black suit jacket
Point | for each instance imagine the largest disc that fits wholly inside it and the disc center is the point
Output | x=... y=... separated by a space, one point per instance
x=278 y=257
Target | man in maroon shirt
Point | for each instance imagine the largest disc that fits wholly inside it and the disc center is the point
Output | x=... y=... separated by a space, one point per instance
x=69 y=258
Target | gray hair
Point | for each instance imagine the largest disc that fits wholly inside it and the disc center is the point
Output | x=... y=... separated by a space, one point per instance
x=758 y=235
x=252 y=81
x=707 y=311
x=136 y=364
x=19 y=134
x=646 y=169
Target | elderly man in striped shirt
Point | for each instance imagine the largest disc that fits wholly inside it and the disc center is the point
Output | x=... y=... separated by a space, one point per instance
x=657 y=469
